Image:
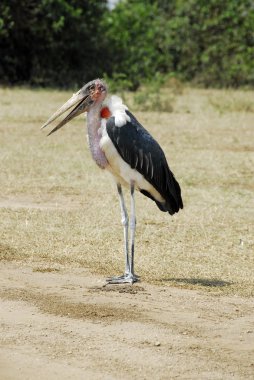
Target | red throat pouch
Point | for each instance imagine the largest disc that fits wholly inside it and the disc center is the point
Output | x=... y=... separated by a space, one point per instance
x=105 y=113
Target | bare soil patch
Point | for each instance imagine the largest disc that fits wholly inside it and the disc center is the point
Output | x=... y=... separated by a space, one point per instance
x=66 y=324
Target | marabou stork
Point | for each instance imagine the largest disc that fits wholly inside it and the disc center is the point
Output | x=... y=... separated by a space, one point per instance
x=119 y=144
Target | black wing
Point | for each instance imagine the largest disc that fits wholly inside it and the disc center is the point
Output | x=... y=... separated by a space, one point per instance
x=139 y=149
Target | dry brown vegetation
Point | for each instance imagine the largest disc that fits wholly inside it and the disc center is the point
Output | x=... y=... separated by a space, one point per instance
x=58 y=207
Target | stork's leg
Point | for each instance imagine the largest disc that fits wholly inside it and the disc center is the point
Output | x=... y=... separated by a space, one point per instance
x=125 y=223
x=133 y=229
x=129 y=276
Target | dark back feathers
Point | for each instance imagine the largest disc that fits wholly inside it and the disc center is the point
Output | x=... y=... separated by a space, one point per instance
x=139 y=149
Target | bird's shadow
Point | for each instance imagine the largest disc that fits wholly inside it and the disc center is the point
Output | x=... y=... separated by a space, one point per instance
x=207 y=282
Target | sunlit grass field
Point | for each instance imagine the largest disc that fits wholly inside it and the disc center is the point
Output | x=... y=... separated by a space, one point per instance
x=57 y=207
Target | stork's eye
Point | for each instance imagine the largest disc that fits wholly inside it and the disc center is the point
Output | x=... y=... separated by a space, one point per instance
x=101 y=88
x=92 y=87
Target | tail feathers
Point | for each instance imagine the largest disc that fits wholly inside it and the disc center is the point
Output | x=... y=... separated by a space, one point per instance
x=168 y=206
x=170 y=191
x=173 y=198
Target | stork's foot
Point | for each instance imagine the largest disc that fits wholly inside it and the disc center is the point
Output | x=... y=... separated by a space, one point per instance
x=127 y=278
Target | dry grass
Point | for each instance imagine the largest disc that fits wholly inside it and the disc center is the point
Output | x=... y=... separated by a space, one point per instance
x=56 y=205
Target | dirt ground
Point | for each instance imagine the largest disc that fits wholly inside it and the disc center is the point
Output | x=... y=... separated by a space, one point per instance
x=63 y=323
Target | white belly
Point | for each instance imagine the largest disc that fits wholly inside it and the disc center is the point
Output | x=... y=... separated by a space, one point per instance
x=122 y=171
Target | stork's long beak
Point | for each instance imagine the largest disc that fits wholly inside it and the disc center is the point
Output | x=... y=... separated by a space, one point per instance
x=80 y=101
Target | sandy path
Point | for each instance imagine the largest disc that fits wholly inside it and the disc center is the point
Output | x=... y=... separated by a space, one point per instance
x=65 y=325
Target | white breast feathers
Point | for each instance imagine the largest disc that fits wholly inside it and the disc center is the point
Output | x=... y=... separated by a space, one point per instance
x=118 y=110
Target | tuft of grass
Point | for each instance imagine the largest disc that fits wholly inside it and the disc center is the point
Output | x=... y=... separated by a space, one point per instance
x=151 y=96
x=232 y=101
x=45 y=269
x=56 y=206
x=149 y=100
x=154 y=95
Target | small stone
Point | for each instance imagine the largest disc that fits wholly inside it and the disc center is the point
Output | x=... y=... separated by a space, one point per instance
x=157 y=344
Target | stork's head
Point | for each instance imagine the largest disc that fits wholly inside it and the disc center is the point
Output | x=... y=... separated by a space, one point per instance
x=89 y=95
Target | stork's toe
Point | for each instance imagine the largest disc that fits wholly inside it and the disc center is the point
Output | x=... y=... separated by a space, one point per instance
x=124 y=279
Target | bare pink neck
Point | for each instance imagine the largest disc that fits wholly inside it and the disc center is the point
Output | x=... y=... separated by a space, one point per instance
x=93 y=125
